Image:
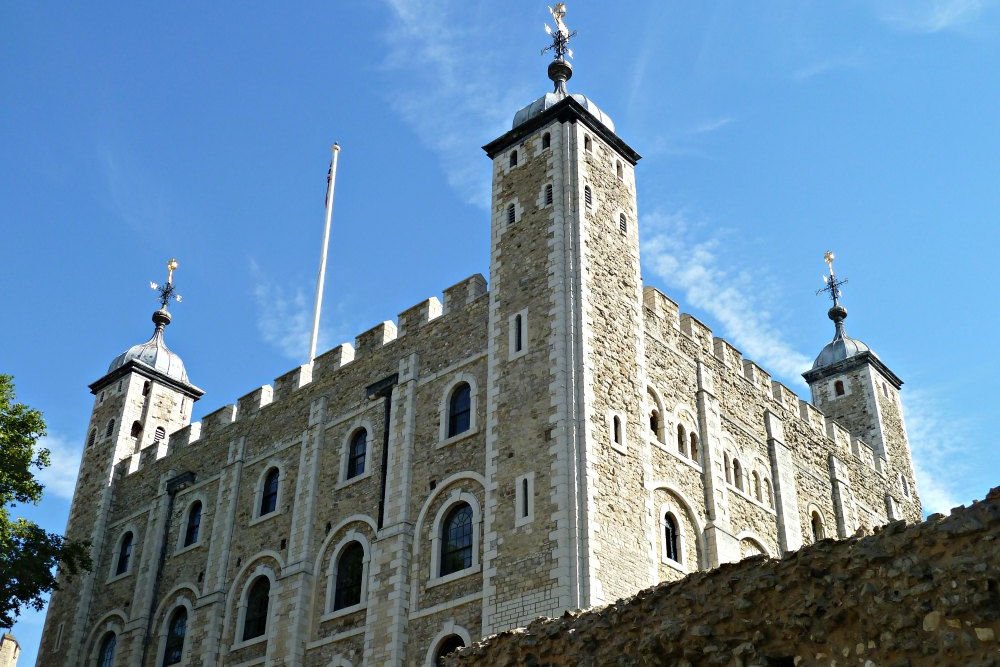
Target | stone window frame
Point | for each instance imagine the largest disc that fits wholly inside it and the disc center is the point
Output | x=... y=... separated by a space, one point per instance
x=668 y=507
x=513 y=354
x=832 y=388
x=505 y=158
x=164 y=629
x=904 y=486
x=814 y=511
x=456 y=497
x=352 y=535
x=589 y=203
x=345 y=453
x=524 y=500
x=620 y=170
x=680 y=413
x=502 y=223
x=541 y=141
x=449 y=628
x=588 y=143
x=444 y=407
x=113 y=621
x=258 y=494
x=109 y=429
x=541 y=202
x=179 y=548
x=619 y=445
x=261 y=570
x=756 y=539
x=123 y=531
x=657 y=404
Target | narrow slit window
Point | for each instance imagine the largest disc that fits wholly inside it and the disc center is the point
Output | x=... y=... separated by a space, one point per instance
x=269 y=499
x=93 y=437
x=159 y=434
x=511 y=214
x=681 y=436
x=124 y=554
x=737 y=474
x=548 y=194
x=524 y=497
x=145 y=388
x=617 y=429
x=816 y=523
x=546 y=140
x=725 y=462
x=588 y=196
x=670 y=537
x=110 y=429
x=357 y=454
x=620 y=170
x=588 y=143
x=518 y=333
x=513 y=158
x=622 y=224
x=838 y=387
x=694 y=448
x=193 y=526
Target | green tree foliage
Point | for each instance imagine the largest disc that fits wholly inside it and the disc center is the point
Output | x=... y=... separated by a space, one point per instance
x=28 y=554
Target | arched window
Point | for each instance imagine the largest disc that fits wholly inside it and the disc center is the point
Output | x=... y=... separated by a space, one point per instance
x=447 y=645
x=159 y=434
x=176 y=631
x=456 y=539
x=770 y=493
x=93 y=437
x=588 y=143
x=694 y=448
x=654 y=422
x=546 y=141
x=124 y=554
x=106 y=656
x=725 y=463
x=616 y=428
x=518 y=333
x=145 y=388
x=756 y=486
x=358 y=451
x=737 y=474
x=269 y=499
x=548 y=194
x=350 y=570
x=905 y=484
x=619 y=170
x=258 y=599
x=193 y=524
x=588 y=196
x=460 y=409
x=622 y=224
x=838 y=387
x=670 y=537
x=136 y=429
x=817 y=527
x=681 y=440
x=513 y=158
x=110 y=429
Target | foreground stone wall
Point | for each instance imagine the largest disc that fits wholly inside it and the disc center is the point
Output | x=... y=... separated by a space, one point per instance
x=909 y=595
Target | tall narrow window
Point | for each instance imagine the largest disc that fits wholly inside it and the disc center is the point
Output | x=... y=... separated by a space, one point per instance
x=588 y=143
x=756 y=486
x=725 y=463
x=694 y=448
x=258 y=599
x=124 y=554
x=588 y=196
x=269 y=498
x=136 y=430
x=159 y=434
x=737 y=474
x=145 y=388
x=193 y=524
x=358 y=451
x=511 y=214
x=654 y=423
x=838 y=387
x=110 y=429
x=770 y=493
x=350 y=572
x=447 y=645
x=456 y=540
x=524 y=497
x=518 y=333
x=546 y=141
x=681 y=438
x=622 y=224
x=106 y=656
x=619 y=170
x=176 y=630
x=513 y=158
x=670 y=537
x=548 y=194
x=460 y=409
x=93 y=437
x=816 y=524
x=616 y=429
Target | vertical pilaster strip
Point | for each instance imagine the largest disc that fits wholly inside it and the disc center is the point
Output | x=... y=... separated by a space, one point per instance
x=145 y=574
x=843 y=501
x=786 y=497
x=720 y=543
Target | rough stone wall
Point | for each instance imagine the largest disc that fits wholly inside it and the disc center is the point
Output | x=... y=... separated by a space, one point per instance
x=926 y=594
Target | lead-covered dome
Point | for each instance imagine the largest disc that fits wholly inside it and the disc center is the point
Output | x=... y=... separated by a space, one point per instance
x=842 y=346
x=551 y=99
x=154 y=352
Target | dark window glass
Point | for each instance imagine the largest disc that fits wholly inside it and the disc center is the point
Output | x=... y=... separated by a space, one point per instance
x=175 y=637
x=513 y=159
x=548 y=194
x=350 y=570
x=694 y=447
x=670 y=533
x=838 y=387
x=617 y=426
x=517 y=333
x=654 y=422
x=448 y=644
x=356 y=459
x=546 y=140
x=817 y=527
x=110 y=429
x=255 y=620
x=92 y=438
x=106 y=656
x=680 y=440
x=145 y=388
x=524 y=495
x=124 y=554
x=456 y=540
x=622 y=224
x=193 y=524
x=459 y=409
x=511 y=214
x=269 y=499
x=588 y=196
x=136 y=429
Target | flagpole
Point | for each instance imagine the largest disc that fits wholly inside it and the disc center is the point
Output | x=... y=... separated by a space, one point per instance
x=320 y=279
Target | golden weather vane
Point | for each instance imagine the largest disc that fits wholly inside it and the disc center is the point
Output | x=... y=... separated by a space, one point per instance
x=561 y=35
x=167 y=289
x=832 y=283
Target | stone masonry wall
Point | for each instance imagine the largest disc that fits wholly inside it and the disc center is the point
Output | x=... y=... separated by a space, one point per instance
x=927 y=594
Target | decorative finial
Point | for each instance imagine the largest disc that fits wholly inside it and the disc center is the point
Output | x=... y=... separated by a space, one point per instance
x=559 y=70
x=837 y=313
x=167 y=289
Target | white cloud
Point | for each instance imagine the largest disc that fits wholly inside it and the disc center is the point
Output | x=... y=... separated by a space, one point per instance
x=672 y=253
x=930 y=16
x=939 y=443
x=825 y=65
x=134 y=197
x=60 y=477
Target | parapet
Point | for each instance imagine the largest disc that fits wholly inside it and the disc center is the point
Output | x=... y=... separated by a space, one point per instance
x=183 y=437
x=218 y=420
x=294 y=379
x=756 y=375
x=698 y=331
x=464 y=292
x=331 y=360
x=250 y=403
x=374 y=338
x=660 y=305
x=417 y=316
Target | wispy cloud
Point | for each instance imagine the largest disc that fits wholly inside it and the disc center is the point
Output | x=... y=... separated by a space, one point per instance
x=453 y=102
x=681 y=254
x=133 y=197
x=688 y=141
x=930 y=16
x=819 y=67
x=60 y=477
x=284 y=317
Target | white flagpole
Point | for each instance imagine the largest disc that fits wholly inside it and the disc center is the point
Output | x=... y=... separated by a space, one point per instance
x=322 y=256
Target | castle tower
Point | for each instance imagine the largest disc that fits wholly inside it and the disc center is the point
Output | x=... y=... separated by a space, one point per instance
x=852 y=385
x=143 y=398
x=566 y=362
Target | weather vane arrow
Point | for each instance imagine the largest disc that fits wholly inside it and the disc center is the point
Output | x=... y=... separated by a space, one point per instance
x=561 y=35
x=832 y=282
x=167 y=289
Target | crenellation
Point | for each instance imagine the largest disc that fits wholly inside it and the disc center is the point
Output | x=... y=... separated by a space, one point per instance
x=698 y=332
x=787 y=398
x=249 y=404
x=757 y=376
x=727 y=353
x=840 y=436
x=812 y=416
x=464 y=292
x=381 y=334
x=291 y=381
x=661 y=306
x=332 y=360
x=417 y=316
x=218 y=420
x=184 y=436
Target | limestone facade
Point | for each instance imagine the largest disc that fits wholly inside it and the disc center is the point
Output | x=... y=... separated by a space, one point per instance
x=607 y=442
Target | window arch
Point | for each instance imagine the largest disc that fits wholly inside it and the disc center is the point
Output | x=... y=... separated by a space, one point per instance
x=725 y=462
x=756 y=486
x=681 y=440
x=269 y=497
x=546 y=140
x=654 y=422
x=838 y=387
x=193 y=524
x=357 y=452
x=110 y=428
x=770 y=492
x=671 y=537
x=176 y=632
x=460 y=409
x=511 y=214
x=737 y=474
x=588 y=196
x=548 y=194
x=694 y=448
x=106 y=654
x=159 y=434
x=136 y=430
x=456 y=539
x=816 y=523
x=616 y=429
x=619 y=170
x=349 y=580
x=257 y=603
x=124 y=553
x=447 y=645
x=622 y=223
x=588 y=143
x=513 y=158
x=93 y=437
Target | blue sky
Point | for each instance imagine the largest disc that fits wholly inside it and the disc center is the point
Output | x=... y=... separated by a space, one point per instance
x=770 y=133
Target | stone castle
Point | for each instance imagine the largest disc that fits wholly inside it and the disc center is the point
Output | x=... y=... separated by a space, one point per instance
x=561 y=440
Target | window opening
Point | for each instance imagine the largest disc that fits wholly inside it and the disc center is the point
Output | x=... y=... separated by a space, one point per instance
x=548 y=194
x=269 y=499
x=694 y=448
x=175 y=637
x=511 y=214
x=817 y=527
x=350 y=572
x=136 y=429
x=588 y=196
x=359 y=449
x=456 y=540
x=193 y=524
x=524 y=495
x=617 y=429
x=513 y=158
x=622 y=224
x=110 y=429
x=449 y=644
x=106 y=656
x=159 y=434
x=756 y=486
x=460 y=409
x=517 y=333
x=588 y=144
x=619 y=170
x=670 y=533
x=725 y=462
x=680 y=440
x=838 y=387
x=738 y=474
x=654 y=422
x=93 y=437
x=145 y=388
x=124 y=554
x=255 y=620
x=546 y=141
